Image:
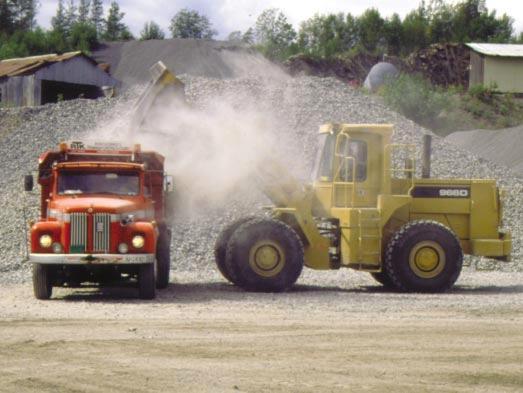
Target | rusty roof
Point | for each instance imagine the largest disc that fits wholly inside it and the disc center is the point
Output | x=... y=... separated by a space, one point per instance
x=501 y=50
x=27 y=65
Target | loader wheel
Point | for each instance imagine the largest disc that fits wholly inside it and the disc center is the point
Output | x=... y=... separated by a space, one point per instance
x=220 y=248
x=383 y=279
x=163 y=258
x=423 y=256
x=146 y=281
x=42 y=281
x=266 y=255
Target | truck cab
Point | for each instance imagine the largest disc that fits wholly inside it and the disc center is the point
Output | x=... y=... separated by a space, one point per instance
x=104 y=217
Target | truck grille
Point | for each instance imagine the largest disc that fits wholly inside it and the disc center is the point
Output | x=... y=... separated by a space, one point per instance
x=100 y=229
x=101 y=232
x=78 y=232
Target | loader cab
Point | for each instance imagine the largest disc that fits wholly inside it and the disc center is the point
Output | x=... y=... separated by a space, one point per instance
x=351 y=166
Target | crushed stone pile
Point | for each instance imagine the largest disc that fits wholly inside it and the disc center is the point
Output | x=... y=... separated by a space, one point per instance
x=298 y=106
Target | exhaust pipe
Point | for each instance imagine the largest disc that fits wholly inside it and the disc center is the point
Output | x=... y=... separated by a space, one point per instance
x=427 y=152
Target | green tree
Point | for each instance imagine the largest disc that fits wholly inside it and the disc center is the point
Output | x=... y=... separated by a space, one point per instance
x=70 y=17
x=248 y=36
x=58 y=22
x=96 y=16
x=151 y=31
x=393 y=33
x=370 y=29
x=23 y=13
x=190 y=24
x=83 y=37
x=115 y=29
x=274 y=34
x=415 y=30
x=7 y=26
x=83 y=11
x=235 y=36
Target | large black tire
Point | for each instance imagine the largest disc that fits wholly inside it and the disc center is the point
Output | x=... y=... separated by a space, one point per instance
x=383 y=279
x=146 y=281
x=220 y=248
x=42 y=281
x=423 y=256
x=163 y=258
x=265 y=255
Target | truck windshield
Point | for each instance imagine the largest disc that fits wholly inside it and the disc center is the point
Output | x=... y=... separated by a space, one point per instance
x=323 y=165
x=85 y=182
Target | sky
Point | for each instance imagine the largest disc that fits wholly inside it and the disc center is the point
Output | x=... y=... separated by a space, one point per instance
x=230 y=15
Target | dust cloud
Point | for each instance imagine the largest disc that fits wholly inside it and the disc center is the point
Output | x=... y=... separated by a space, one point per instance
x=212 y=152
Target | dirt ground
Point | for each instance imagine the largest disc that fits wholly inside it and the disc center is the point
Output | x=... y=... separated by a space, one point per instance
x=336 y=331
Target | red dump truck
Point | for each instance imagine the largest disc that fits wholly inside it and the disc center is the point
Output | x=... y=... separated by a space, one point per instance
x=104 y=218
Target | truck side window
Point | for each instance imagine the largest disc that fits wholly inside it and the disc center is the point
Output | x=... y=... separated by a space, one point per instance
x=357 y=150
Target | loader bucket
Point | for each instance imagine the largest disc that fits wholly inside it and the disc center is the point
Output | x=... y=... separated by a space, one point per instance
x=163 y=87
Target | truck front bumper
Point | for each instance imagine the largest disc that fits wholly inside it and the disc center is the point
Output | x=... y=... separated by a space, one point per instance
x=92 y=259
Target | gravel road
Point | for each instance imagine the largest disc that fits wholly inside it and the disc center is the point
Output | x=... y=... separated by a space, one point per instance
x=335 y=331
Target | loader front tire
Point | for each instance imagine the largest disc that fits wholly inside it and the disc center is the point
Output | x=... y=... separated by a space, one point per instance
x=42 y=281
x=265 y=254
x=220 y=249
x=423 y=256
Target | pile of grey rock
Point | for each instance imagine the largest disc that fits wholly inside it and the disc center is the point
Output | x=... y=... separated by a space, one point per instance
x=296 y=107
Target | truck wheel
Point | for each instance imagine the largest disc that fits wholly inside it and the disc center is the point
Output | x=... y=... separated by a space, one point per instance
x=266 y=255
x=383 y=279
x=423 y=256
x=163 y=258
x=146 y=281
x=42 y=281
x=220 y=248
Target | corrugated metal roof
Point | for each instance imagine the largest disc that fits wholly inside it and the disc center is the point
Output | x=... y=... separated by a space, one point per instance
x=24 y=65
x=501 y=50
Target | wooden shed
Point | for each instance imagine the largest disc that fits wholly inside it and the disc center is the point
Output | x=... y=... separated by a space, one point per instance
x=501 y=64
x=39 y=80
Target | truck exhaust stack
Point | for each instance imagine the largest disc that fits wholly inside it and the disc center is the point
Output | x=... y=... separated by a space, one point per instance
x=427 y=152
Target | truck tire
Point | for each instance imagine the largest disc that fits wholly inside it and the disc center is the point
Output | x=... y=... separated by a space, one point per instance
x=265 y=254
x=146 y=281
x=42 y=281
x=163 y=258
x=220 y=248
x=423 y=256
x=383 y=279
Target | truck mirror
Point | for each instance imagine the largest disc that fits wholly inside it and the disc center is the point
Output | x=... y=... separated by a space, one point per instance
x=168 y=183
x=28 y=183
x=170 y=205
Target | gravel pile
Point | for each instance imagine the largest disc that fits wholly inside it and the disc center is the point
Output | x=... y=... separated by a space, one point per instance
x=296 y=106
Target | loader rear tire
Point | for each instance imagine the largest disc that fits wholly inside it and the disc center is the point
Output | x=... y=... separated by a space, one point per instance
x=220 y=248
x=423 y=256
x=163 y=258
x=265 y=254
x=42 y=281
x=146 y=281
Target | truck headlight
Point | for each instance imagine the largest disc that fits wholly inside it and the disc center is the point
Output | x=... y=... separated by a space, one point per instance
x=46 y=241
x=138 y=241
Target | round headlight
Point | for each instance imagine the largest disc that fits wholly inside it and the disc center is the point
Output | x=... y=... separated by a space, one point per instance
x=57 y=248
x=123 y=248
x=46 y=241
x=138 y=241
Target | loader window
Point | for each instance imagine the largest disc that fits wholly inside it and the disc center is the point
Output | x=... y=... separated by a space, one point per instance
x=323 y=165
x=354 y=152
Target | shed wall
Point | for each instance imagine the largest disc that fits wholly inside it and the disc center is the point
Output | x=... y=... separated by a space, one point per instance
x=77 y=70
x=506 y=72
x=20 y=91
x=476 y=69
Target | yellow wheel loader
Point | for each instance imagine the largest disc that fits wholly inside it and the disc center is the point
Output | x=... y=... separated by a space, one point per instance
x=363 y=213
